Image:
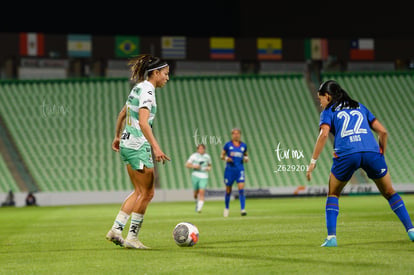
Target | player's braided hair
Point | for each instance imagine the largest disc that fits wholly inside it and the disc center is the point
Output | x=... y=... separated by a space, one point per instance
x=143 y=65
x=339 y=96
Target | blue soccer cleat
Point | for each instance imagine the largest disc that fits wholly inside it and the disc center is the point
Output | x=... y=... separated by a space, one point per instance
x=330 y=242
x=411 y=234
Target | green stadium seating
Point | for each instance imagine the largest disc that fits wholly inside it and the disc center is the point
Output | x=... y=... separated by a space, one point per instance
x=64 y=128
x=7 y=182
x=269 y=110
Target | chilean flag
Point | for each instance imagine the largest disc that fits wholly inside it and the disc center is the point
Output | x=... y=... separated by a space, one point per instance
x=362 y=49
x=32 y=44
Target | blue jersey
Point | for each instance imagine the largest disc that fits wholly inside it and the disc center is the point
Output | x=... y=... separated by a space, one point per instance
x=351 y=129
x=236 y=153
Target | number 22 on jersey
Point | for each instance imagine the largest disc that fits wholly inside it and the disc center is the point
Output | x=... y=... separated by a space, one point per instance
x=349 y=131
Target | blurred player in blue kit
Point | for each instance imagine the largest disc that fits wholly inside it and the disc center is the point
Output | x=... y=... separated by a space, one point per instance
x=234 y=153
x=354 y=147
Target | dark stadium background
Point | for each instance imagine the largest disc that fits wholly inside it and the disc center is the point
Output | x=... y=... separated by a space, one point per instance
x=389 y=24
x=331 y=19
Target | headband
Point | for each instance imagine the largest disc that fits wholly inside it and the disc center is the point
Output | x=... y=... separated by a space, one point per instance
x=157 y=68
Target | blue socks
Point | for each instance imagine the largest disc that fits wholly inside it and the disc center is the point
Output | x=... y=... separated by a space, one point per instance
x=242 y=199
x=227 y=200
x=397 y=205
x=332 y=211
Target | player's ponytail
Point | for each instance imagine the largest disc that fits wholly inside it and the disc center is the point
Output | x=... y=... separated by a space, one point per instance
x=143 y=65
x=340 y=97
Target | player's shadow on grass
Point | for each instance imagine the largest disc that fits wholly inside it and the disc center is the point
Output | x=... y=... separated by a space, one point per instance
x=228 y=243
x=368 y=244
x=283 y=257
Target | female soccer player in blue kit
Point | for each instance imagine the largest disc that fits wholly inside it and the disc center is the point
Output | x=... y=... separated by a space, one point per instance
x=234 y=153
x=354 y=147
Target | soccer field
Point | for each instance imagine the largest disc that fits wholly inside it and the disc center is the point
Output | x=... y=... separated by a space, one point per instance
x=278 y=236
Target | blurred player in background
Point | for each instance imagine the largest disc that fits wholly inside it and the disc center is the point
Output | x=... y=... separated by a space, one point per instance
x=200 y=163
x=234 y=153
x=134 y=144
x=354 y=147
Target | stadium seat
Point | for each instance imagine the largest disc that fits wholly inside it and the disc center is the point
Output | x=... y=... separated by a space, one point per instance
x=64 y=128
x=7 y=181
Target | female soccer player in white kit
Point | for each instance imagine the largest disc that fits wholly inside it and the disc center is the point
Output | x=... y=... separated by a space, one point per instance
x=200 y=163
x=134 y=144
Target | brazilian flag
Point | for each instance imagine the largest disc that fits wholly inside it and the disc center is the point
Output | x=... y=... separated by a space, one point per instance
x=126 y=46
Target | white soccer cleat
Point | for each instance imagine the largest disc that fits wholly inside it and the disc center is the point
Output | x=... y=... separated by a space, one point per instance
x=115 y=237
x=135 y=244
x=226 y=212
x=243 y=212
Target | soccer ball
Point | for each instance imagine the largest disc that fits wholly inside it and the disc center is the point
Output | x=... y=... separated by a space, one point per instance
x=185 y=234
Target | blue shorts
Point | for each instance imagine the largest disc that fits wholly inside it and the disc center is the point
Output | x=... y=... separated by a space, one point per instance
x=232 y=175
x=371 y=162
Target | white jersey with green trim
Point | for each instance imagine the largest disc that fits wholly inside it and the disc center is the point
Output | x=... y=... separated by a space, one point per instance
x=142 y=96
x=204 y=161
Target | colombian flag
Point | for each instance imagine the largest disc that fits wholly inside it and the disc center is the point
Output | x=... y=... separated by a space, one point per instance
x=222 y=48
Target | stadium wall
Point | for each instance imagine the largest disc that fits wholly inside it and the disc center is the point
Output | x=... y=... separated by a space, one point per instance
x=162 y=195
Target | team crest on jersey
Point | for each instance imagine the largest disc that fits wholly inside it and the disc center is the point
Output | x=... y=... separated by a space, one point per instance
x=231 y=148
x=242 y=149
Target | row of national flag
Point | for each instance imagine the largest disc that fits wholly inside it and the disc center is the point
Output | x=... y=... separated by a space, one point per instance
x=33 y=44
x=175 y=47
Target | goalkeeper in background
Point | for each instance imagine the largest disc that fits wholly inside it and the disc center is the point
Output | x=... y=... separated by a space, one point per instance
x=200 y=163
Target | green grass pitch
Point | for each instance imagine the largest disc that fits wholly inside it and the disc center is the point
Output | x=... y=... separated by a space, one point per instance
x=278 y=236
